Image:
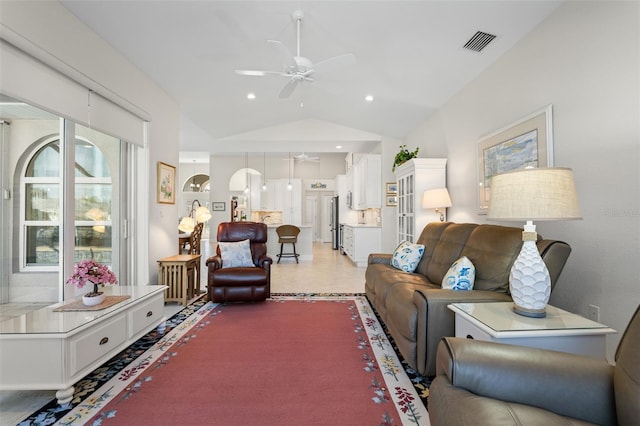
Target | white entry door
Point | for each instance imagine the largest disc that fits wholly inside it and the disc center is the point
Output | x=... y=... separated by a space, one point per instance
x=311 y=215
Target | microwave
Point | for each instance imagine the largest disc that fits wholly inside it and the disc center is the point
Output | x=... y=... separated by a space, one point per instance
x=349 y=199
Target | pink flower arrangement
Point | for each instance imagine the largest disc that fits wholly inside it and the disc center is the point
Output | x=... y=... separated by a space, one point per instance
x=90 y=271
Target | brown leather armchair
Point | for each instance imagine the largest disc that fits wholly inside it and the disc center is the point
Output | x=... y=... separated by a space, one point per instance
x=242 y=283
x=487 y=383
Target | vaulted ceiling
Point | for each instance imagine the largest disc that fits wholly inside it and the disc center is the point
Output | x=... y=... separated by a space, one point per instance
x=409 y=57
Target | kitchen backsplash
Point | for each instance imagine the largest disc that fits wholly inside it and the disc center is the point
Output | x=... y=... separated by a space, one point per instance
x=369 y=217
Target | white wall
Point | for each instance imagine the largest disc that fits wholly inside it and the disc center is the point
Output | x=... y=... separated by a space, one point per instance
x=53 y=28
x=585 y=60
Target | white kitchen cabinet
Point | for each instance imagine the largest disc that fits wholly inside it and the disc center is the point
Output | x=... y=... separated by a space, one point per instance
x=360 y=240
x=268 y=197
x=278 y=198
x=414 y=177
x=367 y=182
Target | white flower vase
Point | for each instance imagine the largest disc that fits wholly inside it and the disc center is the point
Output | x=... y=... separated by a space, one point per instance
x=94 y=299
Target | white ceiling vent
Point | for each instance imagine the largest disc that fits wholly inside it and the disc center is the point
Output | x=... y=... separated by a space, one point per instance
x=479 y=41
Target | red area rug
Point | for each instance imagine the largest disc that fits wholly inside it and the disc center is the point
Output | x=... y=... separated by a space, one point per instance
x=286 y=362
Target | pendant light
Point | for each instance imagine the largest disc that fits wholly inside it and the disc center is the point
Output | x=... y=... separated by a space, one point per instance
x=289 y=186
x=246 y=170
x=264 y=171
x=195 y=187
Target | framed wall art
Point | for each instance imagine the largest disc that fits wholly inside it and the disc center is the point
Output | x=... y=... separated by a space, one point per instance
x=218 y=206
x=527 y=142
x=166 y=183
x=392 y=188
x=392 y=200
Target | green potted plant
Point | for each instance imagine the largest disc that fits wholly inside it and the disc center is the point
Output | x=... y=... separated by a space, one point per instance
x=403 y=156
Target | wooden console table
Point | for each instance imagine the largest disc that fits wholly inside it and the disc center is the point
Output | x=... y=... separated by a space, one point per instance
x=181 y=273
x=44 y=349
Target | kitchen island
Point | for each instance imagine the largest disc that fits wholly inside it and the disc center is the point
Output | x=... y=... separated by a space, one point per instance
x=303 y=246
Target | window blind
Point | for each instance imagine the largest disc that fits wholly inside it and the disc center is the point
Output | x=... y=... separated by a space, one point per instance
x=40 y=79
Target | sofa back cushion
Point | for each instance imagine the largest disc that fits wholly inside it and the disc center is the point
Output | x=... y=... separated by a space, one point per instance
x=493 y=249
x=443 y=243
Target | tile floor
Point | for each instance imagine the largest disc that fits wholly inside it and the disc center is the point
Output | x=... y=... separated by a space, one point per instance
x=329 y=272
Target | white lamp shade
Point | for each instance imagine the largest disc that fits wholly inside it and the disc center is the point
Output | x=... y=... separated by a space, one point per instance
x=534 y=194
x=202 y=214
x=187 y=224
x=436 y=198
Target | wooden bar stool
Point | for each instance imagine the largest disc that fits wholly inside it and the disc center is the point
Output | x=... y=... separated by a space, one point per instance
x=288 y=234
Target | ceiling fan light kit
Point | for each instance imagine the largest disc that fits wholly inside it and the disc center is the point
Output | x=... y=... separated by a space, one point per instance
x=299 y=69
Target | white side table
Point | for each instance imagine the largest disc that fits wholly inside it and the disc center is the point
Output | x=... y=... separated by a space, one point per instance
x=559 y=330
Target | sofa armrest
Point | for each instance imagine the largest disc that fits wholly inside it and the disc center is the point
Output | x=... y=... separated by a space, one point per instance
x=214 y=262
x=567 y=384
x=265 y=262
x=555 y=255
x=379 y=258
x=439 y=321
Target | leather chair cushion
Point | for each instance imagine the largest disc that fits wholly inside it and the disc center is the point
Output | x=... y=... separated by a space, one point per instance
x=240 y=277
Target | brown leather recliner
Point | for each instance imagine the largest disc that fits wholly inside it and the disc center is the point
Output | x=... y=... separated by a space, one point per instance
x=487 y=383
x=245 y=283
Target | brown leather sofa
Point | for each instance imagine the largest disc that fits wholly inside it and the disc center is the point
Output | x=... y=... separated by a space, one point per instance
x=241 y=284
x=486 y=383
x=413 y=306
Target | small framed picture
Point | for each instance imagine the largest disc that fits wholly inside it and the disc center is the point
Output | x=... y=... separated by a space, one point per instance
x=218 y=206
x=392 y=200
x=392 y=188
x=166 y=183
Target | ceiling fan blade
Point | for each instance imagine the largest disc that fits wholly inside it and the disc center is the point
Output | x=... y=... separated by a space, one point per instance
x=335 y=63
x=289 y=88
x=257 y=73
x=287 y=59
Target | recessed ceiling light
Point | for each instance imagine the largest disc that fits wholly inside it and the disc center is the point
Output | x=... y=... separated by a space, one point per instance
x=338 y=146
x=368 y=98
x=251 y=96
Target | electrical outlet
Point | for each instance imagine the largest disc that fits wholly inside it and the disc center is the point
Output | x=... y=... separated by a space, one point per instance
x=594 y=313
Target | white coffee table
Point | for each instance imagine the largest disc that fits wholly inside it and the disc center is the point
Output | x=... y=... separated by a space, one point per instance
x=559 y=330
x=47 y=349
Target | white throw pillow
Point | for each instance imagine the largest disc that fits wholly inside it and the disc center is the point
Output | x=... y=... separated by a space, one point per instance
x=460 y=275
x=407 y=256
x=236 y=254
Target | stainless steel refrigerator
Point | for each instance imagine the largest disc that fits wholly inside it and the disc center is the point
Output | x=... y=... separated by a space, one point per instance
x=334 y=223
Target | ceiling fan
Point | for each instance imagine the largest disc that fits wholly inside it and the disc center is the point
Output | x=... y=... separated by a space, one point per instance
x=298 y=69
x=302 y=157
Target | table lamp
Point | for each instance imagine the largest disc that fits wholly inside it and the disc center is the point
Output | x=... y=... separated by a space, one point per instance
x=437 y=199
x=532 y=194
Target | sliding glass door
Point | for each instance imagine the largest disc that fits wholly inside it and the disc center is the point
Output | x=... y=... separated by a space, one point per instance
x=62 y=201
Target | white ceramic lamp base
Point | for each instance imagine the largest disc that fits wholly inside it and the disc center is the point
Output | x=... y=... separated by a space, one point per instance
x=529 y=281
